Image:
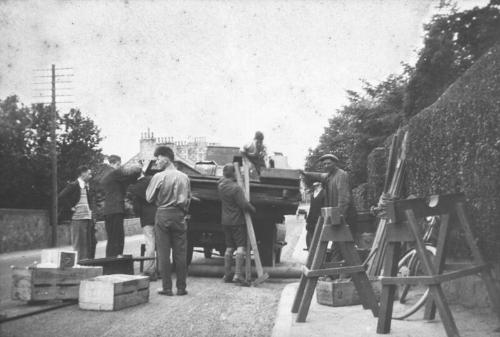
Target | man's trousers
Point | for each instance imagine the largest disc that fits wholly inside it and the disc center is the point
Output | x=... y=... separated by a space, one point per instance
x=171 y=235
x=149 y=238
x=81 y=238
x=116 y=234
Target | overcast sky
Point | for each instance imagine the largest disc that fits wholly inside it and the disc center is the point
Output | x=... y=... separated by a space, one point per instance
x=218 y=69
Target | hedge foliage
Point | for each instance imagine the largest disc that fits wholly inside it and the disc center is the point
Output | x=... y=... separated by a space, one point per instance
x=454 y=146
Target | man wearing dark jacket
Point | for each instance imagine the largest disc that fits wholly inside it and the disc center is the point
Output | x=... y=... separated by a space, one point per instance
x=146 y=212
x=115 y=184
x=317 y=202
x=74 y=201
x=234 y=205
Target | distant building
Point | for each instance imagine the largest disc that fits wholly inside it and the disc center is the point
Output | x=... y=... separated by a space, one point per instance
x=221 y=155
x=191 y=151
x=280 y=160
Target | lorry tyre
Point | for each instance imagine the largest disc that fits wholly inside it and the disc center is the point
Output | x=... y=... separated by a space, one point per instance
x=208 y=252
x=189 y=253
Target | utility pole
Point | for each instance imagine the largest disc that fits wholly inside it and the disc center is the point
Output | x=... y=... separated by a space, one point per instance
x=53 y=158
x=42 y=93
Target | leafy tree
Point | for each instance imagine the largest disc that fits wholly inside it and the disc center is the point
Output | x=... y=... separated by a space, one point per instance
x=363 y=124
x=25 y=151
x=452 y=43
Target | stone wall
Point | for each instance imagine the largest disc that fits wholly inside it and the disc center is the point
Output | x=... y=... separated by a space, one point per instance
x=20 y=229
x=26 y=229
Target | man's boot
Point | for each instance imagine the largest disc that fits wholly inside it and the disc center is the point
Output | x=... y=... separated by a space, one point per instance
x=228 y=261
x=238 y=274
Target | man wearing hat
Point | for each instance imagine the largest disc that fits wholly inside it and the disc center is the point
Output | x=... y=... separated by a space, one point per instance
x=317 y=201
x=336 y=184
x=337 y=191
x=256 y=152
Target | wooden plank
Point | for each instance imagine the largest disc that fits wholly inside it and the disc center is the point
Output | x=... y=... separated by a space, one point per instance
x=280 y=173
x=57 y=292
x=249 y=223
x=64 y=276
x=332 y=271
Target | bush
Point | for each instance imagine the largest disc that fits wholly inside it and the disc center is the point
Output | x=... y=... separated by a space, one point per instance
x=454 y=146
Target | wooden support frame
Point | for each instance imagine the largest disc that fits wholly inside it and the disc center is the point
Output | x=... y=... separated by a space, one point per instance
x=403 y=226
x=332 y=228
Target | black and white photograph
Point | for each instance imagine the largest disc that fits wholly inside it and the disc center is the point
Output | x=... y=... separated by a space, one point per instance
x=249 y=168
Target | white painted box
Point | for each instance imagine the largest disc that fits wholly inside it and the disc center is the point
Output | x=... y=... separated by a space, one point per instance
x=113 y=292
x=58 y=258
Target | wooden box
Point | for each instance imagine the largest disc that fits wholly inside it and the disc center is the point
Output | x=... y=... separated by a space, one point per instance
x=56 y=258
x=112 y=265
x=42 y=284
x=341 y=292
x=113 y=292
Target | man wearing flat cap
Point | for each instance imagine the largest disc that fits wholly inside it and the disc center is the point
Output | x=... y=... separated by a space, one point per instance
x=337 y=192
x=336 y=184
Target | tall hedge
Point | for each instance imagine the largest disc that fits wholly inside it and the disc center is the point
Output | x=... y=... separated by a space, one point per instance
x=454 y=146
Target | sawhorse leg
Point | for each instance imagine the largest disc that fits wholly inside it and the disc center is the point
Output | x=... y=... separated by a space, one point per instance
x=430 y=306
x=360 y=280
x=429 y=268
x=310 y=257
x=486 y=276
x=311 y=282
x=387 y=297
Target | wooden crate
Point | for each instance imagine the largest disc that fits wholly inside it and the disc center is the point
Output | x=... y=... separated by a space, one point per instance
x=113 y=292
x=341 y=292
x=42 y=284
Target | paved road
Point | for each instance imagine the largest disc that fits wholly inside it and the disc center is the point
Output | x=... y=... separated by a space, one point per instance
x=211 y=308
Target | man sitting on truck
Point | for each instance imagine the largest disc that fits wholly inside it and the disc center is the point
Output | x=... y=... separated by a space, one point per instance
x=256 y=153
x=234 y=205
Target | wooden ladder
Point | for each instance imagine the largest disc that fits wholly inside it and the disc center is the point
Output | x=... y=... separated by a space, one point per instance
x=332 y=228
x=403 y=226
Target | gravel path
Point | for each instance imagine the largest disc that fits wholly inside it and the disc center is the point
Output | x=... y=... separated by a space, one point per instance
x=211 y=308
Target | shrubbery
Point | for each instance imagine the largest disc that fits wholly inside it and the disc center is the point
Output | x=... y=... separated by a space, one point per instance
x=454 y=145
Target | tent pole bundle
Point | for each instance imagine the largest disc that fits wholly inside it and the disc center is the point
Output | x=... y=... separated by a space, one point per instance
x=394 y=179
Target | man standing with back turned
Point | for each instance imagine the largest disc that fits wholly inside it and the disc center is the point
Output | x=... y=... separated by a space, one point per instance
x=115 y=184
x=170 y=190
x=233 y=221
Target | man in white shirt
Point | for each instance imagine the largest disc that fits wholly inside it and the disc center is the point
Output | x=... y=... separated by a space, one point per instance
x=75 y=199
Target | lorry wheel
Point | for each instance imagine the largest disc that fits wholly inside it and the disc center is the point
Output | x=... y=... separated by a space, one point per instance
x=208 y=252
x=189 y=255
x=277 y=255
